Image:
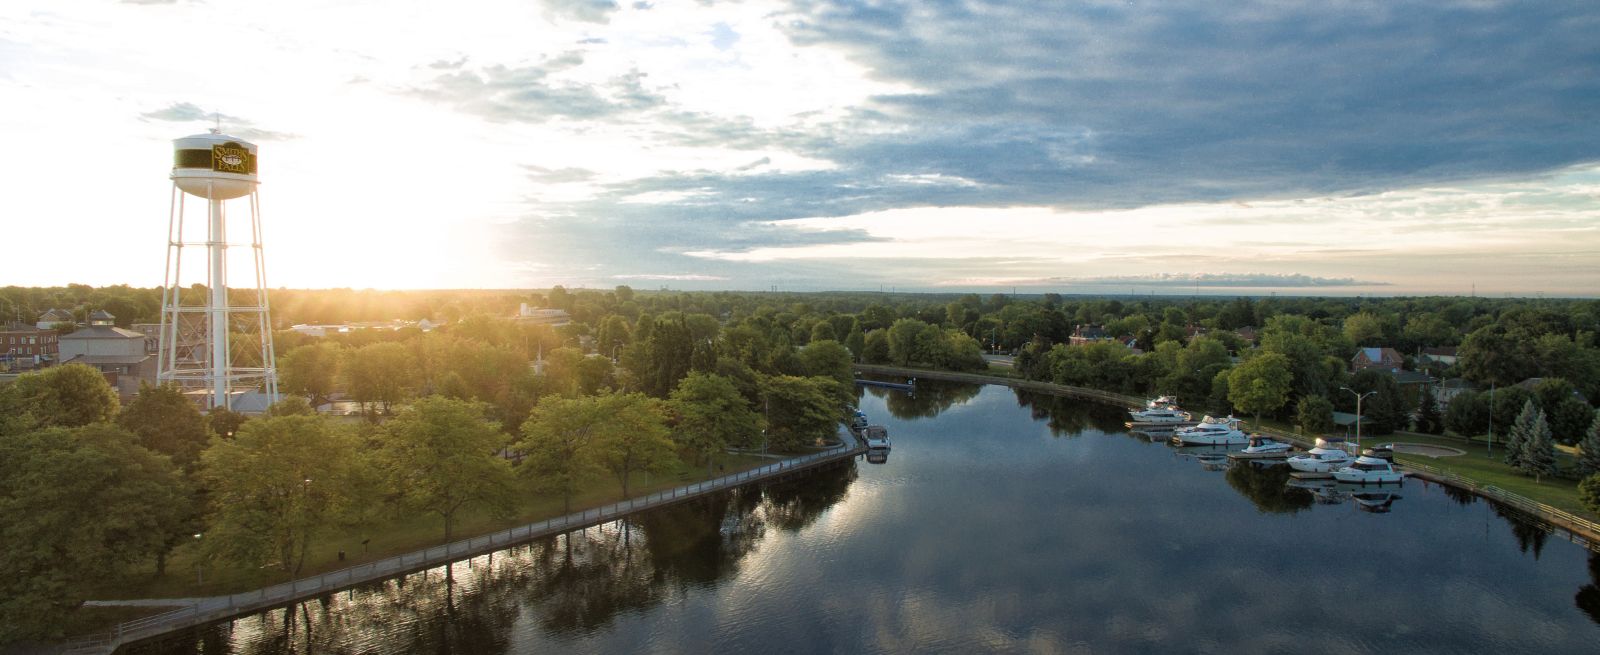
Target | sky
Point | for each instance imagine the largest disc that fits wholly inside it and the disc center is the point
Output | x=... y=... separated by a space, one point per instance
x=1331 y=148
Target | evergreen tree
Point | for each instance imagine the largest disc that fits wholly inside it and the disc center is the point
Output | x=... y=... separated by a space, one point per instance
x=1429 y=420
x=1521 y=431
x=1589 y=459
x=1539 y=450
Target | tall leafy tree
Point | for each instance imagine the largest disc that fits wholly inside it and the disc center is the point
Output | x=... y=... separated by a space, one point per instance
x=635 y=437
x=799 y=411
x=68 y=396
x=1468 y=414
x=1260 y=385
x=875 y=347
x=77 y=507
x=1314 y=415
x=378 y=374
x=168 y=423
x=558 y=440
x=441 y=456
x=311 y=371
x=710 y=414
x=276 y=486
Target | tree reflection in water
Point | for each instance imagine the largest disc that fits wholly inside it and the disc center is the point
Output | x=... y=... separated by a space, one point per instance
x=930 y=398
x=1588 y=597
x=571 y=584
x=1268 y=487
x=1530 y=533
x=1072 y=417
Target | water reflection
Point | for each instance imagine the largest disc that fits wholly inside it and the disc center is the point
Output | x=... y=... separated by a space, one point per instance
x=1267 y=487
x=1072 y=417
x=1588 y=597
x=930 y=398
x=569 y=586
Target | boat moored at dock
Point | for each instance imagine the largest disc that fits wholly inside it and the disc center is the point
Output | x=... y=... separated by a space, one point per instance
x=1369 y=470
x=1211 y=432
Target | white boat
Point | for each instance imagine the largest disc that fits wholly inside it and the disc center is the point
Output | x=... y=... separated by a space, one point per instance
x=1369 y=470
x=1326 y=457
x=1161 y=401
x=1160 y=415
x=1261 y=445
x=1211 y=432
x=877 y=437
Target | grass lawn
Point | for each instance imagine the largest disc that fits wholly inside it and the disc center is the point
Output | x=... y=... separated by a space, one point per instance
x=1485 y=468
x=398 y=536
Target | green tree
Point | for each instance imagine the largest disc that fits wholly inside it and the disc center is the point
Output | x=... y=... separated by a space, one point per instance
x=799 y=411
x=1569 y=418
x=1468 y=414
x=1363 y=329
x=875 y=347
x=168 y=423
x=441 y=456
x=559 y=442
x=1589 y=493
x=378 y=374
x=1314 y=415
x=1589 y=450
x=711 y=414
x=1261 y=384
x=594 y=375
x=1519 y=435
x=68 y=396
x=78 y=507
x=1538 y=450
x=276 y=486
x=1429 y=420
x=827 y=359
x=635 y=437
x=225 y=422
x=311 y=371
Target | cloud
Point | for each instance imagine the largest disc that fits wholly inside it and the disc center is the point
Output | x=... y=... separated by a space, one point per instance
x=188 y=112
x=679 y=277
x=590 y=11
x=531 y=94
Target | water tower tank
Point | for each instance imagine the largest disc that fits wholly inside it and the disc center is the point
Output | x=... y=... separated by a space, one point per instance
x=214 y=166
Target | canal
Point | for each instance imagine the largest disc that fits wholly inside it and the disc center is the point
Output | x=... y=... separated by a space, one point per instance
x=1001 y=521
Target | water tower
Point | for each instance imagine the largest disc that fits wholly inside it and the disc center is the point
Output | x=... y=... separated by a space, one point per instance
x=215 y=340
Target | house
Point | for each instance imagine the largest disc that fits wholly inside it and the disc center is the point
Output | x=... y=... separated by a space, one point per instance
x=552 y=317
x=1445 y=355
x=1388 y=359
x=25 y=347
x=1531 y=383
x=1447 y=390
x=118 y=354
x=50 y=318
x=1248 y=333
x=1086 y=334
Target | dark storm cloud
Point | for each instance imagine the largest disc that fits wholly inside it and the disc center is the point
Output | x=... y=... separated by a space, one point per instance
x=187 y=112
x=1112 y=105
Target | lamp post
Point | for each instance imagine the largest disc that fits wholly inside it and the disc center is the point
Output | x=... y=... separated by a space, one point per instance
x=1359 y=397
x=200 y=564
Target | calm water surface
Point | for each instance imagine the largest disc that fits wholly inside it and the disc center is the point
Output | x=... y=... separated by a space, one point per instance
x=1000 y=522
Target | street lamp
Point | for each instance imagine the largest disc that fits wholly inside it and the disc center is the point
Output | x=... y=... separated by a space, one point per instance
x=1359 y=397
x=200 y=563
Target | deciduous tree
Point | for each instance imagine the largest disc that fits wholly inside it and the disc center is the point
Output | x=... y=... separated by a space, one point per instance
x=1261 y=384
x=311 y=371
x=634 y=437
x=276 y=486
x=441 y=455
x=711 y=414
x=68 y=396
x=168 y=423
x=559 y=442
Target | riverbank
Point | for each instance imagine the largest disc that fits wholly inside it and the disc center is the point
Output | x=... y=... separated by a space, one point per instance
x=189 y=576
x=215 y=608
x=1481 y=467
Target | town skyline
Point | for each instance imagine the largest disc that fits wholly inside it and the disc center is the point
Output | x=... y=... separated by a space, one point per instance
x=1413 y=149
